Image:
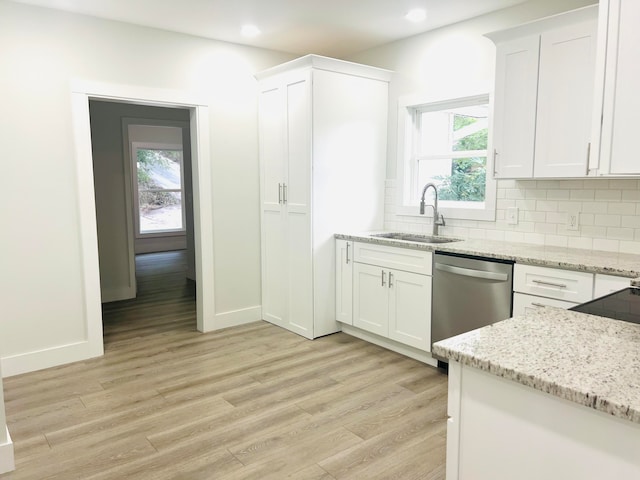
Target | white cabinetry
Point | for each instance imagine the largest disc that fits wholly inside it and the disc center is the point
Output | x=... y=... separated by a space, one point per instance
x=544 y=96
x=501 y=430
x=619 y=77
x=606 y=284
x=390 y=302
x=542 y=286
x=322 y=136
x=344 y=281
x=536 y=287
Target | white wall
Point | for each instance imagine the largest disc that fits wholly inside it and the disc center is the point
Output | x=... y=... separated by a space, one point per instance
x=42 y=51
x=453 y=59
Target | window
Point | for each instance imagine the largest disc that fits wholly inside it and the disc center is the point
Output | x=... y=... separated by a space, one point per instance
x=159 y=185
x=445 y=143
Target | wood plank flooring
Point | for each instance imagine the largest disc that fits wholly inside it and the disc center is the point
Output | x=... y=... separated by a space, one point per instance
x=249 y=402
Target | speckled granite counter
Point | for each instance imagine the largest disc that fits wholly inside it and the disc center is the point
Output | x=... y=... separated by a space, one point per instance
x=590 y=360
x=622 y=264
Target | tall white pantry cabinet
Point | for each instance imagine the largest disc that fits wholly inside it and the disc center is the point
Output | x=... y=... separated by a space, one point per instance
x=323 y=140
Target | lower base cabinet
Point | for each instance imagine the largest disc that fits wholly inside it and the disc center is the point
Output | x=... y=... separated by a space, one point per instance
x=390 y=302
x=393 y=304
x=501 y=430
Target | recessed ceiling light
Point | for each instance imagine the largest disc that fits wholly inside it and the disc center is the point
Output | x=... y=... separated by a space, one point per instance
x=250 y=31
x=416 y=15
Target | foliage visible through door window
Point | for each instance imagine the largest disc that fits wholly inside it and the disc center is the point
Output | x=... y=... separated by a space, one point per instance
x=160 y=192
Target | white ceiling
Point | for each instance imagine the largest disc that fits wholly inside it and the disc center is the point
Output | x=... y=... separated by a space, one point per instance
x=334 y=28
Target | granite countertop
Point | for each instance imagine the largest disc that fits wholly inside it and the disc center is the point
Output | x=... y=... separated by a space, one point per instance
x=590 y=360
x=594 y=261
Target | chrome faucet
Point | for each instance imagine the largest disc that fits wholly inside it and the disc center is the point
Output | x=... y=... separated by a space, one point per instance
x=438 y=219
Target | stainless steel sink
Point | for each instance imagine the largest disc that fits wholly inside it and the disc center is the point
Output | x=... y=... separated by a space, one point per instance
x=414 y=237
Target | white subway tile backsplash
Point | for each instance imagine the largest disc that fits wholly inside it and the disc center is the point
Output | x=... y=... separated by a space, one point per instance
x=583 y=194
x=608 y=220
x=609 y=214
x=547 y=206
x=608 y=195
x=556 y=240
x=631 y=195
x=607 y=245
x=620 y=233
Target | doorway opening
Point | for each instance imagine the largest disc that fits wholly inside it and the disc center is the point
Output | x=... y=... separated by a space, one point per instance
x=143 y=195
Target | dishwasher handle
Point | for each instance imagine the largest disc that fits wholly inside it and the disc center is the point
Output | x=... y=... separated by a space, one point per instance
x=468 y=272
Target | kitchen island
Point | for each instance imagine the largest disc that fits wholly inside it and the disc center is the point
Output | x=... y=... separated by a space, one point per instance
x=554 y=394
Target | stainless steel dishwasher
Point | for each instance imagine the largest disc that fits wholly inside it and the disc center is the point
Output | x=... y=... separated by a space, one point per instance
x=469 y=293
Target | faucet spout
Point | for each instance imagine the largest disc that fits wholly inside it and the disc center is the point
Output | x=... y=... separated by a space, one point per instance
x=438 y=219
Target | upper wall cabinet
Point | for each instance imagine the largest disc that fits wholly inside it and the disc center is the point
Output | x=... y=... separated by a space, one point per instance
x=544 y=94
x=617 y=81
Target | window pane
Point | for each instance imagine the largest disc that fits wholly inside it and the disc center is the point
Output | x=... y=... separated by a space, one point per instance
x=458 y=179
x=160 y=211
x=159 y=169
x=454 y=130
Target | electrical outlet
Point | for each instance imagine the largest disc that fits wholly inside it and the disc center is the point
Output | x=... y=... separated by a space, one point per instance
x=512 y=216
x=573 y=220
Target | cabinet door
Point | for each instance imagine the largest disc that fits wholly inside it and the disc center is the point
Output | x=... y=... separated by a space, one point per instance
x=524 y=304
x=410 y=309
x=273 y=232
x=296 y=199
x=565 y=95
x=619 y=151
x=344 y=281
x=274 y=272
x=516 y=93
x=370 y=299
x=271 y=136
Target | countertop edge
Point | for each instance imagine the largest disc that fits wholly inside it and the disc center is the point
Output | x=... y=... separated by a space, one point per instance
x=595 y=402
x=464 y=248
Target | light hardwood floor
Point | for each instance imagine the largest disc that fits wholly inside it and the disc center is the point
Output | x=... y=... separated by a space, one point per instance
x=250 y=402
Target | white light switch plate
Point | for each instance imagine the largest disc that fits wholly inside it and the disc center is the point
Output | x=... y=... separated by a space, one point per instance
x=512 y=216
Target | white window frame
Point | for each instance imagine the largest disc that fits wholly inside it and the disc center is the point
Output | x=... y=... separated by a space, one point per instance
x=407 y=166
x=135 y=146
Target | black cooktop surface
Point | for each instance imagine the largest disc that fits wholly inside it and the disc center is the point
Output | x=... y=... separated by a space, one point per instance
x=622 y=305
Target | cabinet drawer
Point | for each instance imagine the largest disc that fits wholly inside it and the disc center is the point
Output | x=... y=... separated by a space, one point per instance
x=523 y=303
x=606 y=284
x=406 y=259
x=564 y=285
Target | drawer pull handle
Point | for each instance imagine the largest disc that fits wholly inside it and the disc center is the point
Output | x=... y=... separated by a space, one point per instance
x=538 y=305
x=383 y=282
x=280 y=193
x=550 y=284
x=390 y=279
x=348 y=244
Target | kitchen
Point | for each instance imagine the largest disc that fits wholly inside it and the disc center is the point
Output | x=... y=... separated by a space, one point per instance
x=606 y=217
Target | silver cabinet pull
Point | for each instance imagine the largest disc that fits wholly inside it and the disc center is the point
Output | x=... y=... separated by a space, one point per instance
x=383 y=282
x=348 y=245
x=535 y=304
x=495 y=162
x=390 y=279
x=284 y=193
x=550 y=284
x=280 y=193
x=588 y=157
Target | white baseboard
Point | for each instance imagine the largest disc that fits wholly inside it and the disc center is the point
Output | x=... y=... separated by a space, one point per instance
x=51 y=357
x=117 y=294
x=389 y=344
x=7 y=461
x=234 y=318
